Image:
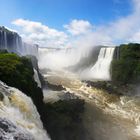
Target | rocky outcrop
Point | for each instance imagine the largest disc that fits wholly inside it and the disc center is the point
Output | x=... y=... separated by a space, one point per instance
x=10 y=131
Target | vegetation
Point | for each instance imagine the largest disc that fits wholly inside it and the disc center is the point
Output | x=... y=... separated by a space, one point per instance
x=61 y=119
x=64 y=120
x=126 y=69
x=18 y=72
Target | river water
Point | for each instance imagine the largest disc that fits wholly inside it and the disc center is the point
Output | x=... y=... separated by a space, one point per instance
x=107 y=116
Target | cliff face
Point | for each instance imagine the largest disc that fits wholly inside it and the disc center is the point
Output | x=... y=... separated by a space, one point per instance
x=12 y=42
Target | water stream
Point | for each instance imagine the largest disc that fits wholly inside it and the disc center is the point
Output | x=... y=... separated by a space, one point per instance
x=107 y=116
x=20 y=114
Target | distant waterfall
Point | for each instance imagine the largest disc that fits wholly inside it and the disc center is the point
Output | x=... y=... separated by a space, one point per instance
x=60 y=59
x=12 y=42
x=101 y=69
x=36 y=78
x=84 y=60
x=5 y=40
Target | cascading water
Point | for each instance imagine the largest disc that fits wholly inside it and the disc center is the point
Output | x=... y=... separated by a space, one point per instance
x=107 y=116
x=5 y=40
x=20 y=116
x=29 y=49
x=65 y=59
x=36 y=78
x=17 y=44
x=12 y=42
x=60 y=59
x=101 y=69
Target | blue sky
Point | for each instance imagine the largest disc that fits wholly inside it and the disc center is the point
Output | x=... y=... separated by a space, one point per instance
x=55 y=13
x=58 y=23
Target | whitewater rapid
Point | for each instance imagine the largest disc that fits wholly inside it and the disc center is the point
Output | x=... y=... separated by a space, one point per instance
x=107 y=116
x=20 y=115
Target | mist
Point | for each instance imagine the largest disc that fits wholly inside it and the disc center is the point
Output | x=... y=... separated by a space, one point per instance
x=60 y=59
x=88 y=64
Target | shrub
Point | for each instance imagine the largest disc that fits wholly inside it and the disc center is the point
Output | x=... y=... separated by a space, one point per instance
x=64 y=120
x=18 y=72
x=127 y=68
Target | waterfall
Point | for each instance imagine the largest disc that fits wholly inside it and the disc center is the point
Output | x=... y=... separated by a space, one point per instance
x=100 y=71
x=18 y=44
x=84 y=60
x=29 y=49
x=12 y=42
x=18 y=110
x=5 y=40
x=63 y=58
x=36 y=78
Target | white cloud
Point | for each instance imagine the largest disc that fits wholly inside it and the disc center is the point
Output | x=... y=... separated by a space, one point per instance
x=78 y=27
x=136 y=4
x=135 y=37
x=82 y=33
x=41 y=34
x=123 y=30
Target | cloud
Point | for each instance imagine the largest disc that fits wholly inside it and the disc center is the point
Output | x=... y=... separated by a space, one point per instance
x=123 y=30
x=81 y=33
x=78 y=27
x=136 y=4
x=41 y=34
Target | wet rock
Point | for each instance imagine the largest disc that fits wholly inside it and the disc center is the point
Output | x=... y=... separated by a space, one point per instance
x=8 y=131
x=1 y=97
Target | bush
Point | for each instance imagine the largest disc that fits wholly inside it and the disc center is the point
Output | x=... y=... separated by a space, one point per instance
x=127 y=68
x=64 y=120
x=18 y=72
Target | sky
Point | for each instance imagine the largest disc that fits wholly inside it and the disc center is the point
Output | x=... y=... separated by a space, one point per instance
x=72 y=23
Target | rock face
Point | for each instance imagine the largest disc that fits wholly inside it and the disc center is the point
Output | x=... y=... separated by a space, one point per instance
x=12 y=42
x=8 y=131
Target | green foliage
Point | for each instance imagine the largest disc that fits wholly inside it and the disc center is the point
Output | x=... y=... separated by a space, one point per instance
x=18 y=72
x=64 y=120
x=127 y=68
x=3 y=51
x=130 y=51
